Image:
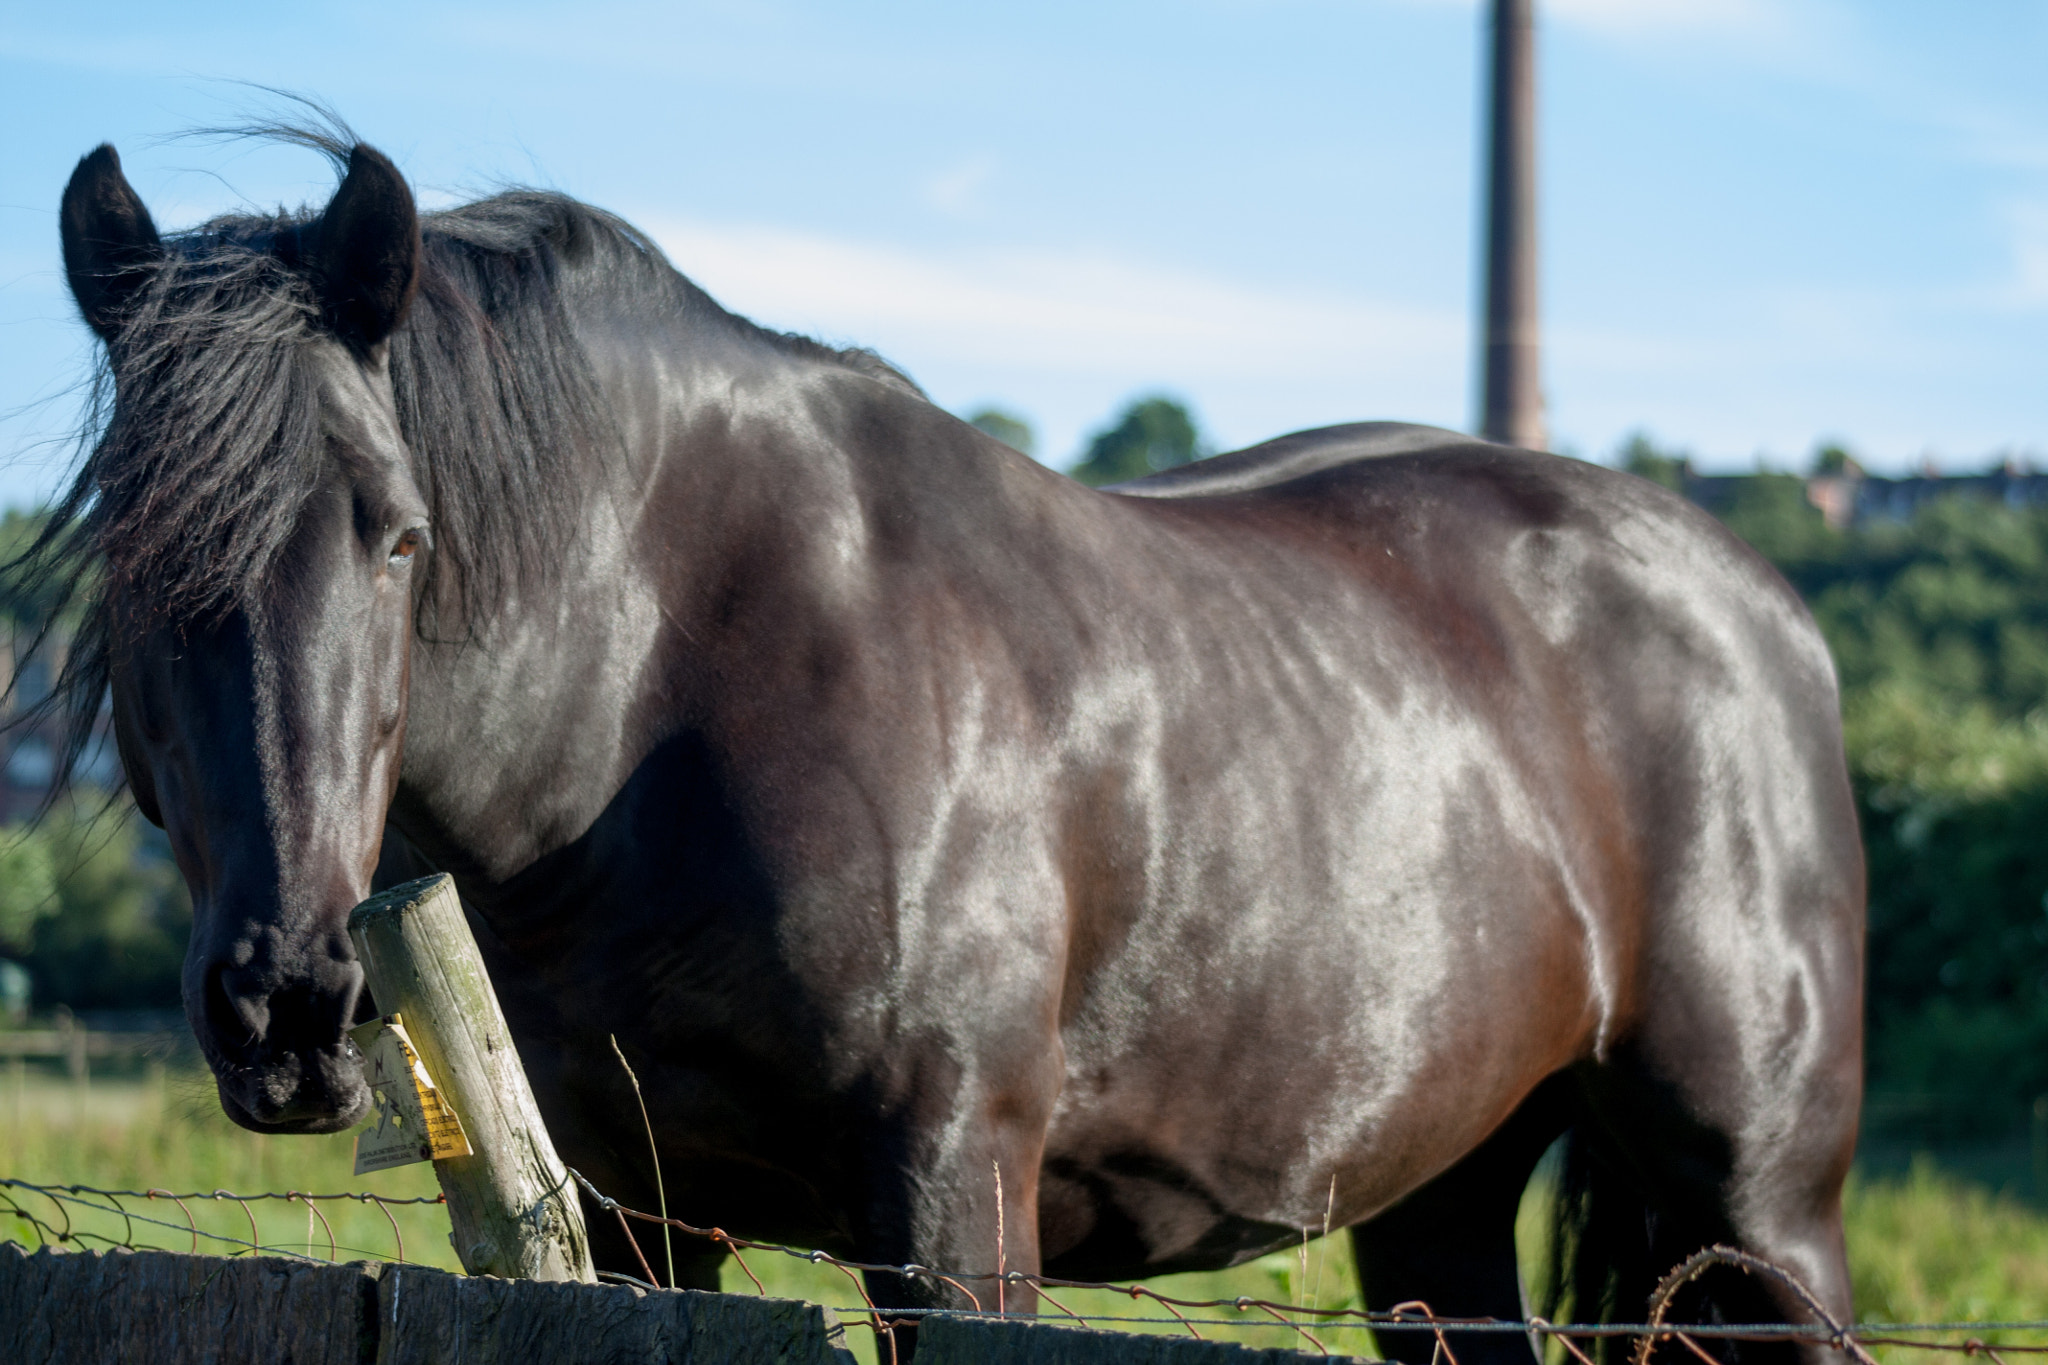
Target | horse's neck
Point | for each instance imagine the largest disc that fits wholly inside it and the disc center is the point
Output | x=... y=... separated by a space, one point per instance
x=748 y=479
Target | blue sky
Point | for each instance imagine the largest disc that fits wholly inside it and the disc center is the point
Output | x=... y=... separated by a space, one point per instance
x=1765 y=222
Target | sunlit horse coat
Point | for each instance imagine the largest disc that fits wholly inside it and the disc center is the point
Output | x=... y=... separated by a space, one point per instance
x=1331 y=824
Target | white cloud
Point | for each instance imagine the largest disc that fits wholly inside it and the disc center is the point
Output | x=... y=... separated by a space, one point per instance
x=1051 y=310
x=1897 y=370
x=954 y=191
x=2030 y=255
x=1744 y=17
x=1642 y=18
x=1065 y=336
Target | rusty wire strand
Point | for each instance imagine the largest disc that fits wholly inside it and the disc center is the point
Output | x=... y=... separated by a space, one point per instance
x=314 y=1209
x=182 y=1208
x=396 y=1236
x=255 y=1237
x=1063 y=1309
x=1413 y=1317
x=1539 y=1325
x=285 y=1196
x=47 y=1233
x=64 y=1197
x=1274 y=1314
x=1402 y=1311
x=634 y=1242
x=1136 y=1290
x=1852 y=1338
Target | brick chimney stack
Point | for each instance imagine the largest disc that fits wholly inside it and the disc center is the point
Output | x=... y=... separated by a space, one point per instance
x=1511 y=394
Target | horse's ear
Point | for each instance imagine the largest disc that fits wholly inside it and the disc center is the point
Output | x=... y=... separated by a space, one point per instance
x=110 y=244
x=366 y=250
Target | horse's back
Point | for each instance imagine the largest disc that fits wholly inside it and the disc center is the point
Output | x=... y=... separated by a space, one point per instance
x=1555 y=537
x=1293 y=456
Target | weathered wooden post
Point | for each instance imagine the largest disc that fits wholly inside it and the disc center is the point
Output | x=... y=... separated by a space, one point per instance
x=515 y=1209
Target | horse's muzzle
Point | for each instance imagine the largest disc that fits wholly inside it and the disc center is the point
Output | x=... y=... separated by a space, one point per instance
x=277 y=1044
x=313 y=1092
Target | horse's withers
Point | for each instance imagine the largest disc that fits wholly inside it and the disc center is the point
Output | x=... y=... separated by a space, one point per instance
x=259 y=709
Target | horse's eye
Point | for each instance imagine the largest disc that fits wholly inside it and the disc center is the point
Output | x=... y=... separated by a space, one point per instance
x=408 y=543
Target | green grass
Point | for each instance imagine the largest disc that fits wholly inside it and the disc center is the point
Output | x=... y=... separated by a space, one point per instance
x=167 y=1132
x=1924 y=1246
x=1927 y=1248
x=1319 y=1275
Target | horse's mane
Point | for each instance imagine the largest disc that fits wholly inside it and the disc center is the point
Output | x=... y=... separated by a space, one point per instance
x=203 y=445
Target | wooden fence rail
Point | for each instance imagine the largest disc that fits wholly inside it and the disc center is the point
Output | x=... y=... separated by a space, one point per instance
x=74 y=1045
x=167 y=1308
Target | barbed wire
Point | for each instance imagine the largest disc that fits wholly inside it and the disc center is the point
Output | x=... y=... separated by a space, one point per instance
x=1852 y=1338
x=1189 y=1314
x=64 y=1198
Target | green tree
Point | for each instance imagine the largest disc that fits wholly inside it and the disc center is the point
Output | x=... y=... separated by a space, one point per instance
x=1007 y=427
x=1641 y=456
x=1952 y=606
x=1953 y=799
x=1150 y=434
x=26 y=601
x=112 y=927
x=1833 y=458
x=1772 y=512
x=28 y=886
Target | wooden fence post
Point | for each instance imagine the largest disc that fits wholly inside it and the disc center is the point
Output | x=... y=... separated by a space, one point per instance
x=515 y=1209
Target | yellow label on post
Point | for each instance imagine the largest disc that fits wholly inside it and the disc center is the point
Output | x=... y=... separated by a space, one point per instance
x=413 y=1122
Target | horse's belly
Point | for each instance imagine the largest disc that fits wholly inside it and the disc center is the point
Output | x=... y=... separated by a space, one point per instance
x=1116 y=1201
x=1325 y=1078
x=1227 y=1195
x=1134 y=1215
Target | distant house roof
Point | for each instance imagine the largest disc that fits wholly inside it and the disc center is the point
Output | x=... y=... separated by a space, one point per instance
x=1852 y=497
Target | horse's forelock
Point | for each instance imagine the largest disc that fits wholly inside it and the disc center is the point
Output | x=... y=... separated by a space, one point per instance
x=203 y=435
x=208 y=447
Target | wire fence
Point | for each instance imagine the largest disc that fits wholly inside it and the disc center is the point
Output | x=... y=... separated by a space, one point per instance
x=59 y=1215
x=65 y=1200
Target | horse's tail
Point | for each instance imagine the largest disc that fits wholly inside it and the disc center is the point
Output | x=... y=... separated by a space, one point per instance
x=1604 y=1260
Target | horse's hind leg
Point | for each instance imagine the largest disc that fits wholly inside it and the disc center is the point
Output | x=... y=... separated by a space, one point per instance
x=1705 y=1150
x=1451 y=1244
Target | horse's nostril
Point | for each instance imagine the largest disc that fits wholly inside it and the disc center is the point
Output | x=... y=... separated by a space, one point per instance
x=238 y=1021
x=307 y=1016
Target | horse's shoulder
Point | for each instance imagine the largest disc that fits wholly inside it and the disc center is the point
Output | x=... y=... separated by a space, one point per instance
x=1293 y=456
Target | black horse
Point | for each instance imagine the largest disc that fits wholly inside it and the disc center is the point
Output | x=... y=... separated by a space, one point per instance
x=1342 y=819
